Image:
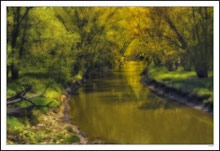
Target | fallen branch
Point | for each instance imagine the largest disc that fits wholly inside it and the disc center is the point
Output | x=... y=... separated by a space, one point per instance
x=40 y=95
x=22 y=96
x=18 y=110
x=12 y=111
x=19 y=97
x=34 y=104
x=14 y=101
x=20 y=93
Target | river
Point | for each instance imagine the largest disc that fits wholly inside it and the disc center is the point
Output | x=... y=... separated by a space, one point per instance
x=117 y=109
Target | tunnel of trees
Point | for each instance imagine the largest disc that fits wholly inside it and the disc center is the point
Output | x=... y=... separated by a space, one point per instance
x=51 y=50
x=70 y=41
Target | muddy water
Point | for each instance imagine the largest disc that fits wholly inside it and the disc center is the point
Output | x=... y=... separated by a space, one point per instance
x=117 y=109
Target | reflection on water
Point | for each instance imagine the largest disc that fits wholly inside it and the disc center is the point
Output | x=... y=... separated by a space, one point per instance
x=118 y=109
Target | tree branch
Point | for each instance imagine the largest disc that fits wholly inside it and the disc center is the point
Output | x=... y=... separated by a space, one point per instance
x=21 y=95
x=34 y=104
x=173 y=27
x=25 y=14
x=12 y=111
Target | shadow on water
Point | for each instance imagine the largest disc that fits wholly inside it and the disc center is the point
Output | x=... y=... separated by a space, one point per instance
x=155 y=102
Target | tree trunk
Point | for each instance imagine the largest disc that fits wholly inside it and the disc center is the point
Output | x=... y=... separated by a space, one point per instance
x=14 y=35
x=8 y=67
x=186 y=62
x=14 y=72
x=202 y=73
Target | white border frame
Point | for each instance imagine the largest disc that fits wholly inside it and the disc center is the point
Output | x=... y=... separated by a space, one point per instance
x=215 y=4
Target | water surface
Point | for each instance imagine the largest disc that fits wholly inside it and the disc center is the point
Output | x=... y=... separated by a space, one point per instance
x=117 y=109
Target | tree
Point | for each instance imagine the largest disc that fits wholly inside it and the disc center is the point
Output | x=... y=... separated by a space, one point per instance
x=95 y=27
x=17 y=22
x=202 y=40
x=184 y=32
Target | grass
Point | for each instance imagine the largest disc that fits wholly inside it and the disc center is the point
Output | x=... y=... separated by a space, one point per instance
x=25 y=129
x=70 y=139
x=70 y=129
x=22 y=129
x=17 y=126
x=184 y=80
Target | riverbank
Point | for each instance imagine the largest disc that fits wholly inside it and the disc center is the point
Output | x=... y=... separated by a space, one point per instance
x=45 y=125
x=72 y=88
x=50 y=124
x=176 y=92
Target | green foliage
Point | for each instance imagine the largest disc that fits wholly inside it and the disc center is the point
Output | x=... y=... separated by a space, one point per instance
x=70 y=42
x=39 y=82
x=55 y=103
x=174 y=36
x=67 y=42
x=93 y=49
x=11 y=92
x=59 y=45
x=70 y=129
x=15 y=124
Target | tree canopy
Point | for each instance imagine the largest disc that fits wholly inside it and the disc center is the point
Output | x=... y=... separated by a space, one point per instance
x=71 y=42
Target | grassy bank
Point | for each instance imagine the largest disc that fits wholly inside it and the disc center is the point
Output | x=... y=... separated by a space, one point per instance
x=186 y=81
x=44 y=125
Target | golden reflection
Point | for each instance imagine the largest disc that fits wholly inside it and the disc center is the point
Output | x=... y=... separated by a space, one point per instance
x=118 y=109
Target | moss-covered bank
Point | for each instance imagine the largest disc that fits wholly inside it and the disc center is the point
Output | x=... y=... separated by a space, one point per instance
x=191 y=99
